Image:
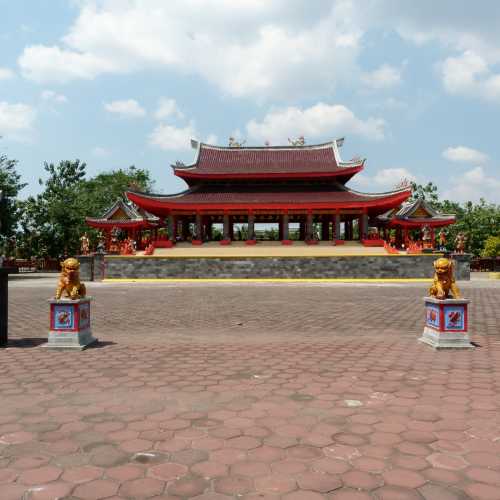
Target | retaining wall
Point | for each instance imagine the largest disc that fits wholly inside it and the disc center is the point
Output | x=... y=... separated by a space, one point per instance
x=383 y=267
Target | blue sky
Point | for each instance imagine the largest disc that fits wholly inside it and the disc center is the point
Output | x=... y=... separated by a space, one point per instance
x=413 y=86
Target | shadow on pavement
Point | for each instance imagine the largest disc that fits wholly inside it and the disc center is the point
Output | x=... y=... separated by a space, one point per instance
x=38 y=341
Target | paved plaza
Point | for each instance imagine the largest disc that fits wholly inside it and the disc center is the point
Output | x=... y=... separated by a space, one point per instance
x=250 y=391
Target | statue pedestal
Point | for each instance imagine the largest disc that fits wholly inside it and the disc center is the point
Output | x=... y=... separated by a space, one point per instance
x=446 y=324
x=70 y=324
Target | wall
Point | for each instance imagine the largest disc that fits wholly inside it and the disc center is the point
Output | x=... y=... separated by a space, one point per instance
x=414 y=266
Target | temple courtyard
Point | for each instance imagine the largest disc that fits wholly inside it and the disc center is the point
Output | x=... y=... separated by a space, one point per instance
x=213 y=391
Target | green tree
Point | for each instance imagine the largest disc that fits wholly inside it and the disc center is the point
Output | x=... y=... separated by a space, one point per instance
x=477 y=221
x=10 y=185
x=53 y=221
x=102 y=190
x=429 y=193
x=491 y=247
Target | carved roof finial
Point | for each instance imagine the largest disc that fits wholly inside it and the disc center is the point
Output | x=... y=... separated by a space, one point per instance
x=233 y=143
x=300 y=141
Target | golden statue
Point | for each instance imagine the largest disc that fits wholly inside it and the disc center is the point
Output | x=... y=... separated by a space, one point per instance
x=84 y=244
x=444 y=283
x=69 y=281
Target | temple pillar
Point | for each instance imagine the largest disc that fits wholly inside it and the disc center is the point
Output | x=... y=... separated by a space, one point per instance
x=350 y=232
x=363 y=226
x=198 y=231
x=225 y=231
x=309 y=226
x=231 y=227
x=209 y=230
x=284 y=221
x=185 y=229
x=337 y=227
x=433 y=236
x=171 y=227
x=325 y=228
x=302 y=230
x=251 y=226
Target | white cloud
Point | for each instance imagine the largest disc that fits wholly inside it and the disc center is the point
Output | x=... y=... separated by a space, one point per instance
x=50 y=95
x=168 y=108
x=386 y=76
x=385 y=179
x=169 y=137
x=211 y=139
x=248 y=48
x=465 y=154
x=16 y=120
x=53 y=64
x=100 y=152
x=472 y=186
x=129 y=108
x=470 y=75
x=6 y=74
x=318 y=121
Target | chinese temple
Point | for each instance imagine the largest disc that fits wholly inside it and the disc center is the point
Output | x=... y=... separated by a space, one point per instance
x=304 y=184
x=133 y=221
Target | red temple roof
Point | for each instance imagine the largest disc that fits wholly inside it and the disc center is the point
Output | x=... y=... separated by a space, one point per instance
x=123 y=215
x=417 y=213
x=218 y=162
x=202 y=199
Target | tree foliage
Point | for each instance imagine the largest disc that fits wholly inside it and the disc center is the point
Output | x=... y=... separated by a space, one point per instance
x=429 y=193
x=10 y=185
x=53 y=221
x=491 y=247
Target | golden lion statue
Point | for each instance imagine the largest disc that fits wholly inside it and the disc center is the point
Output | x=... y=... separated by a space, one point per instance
x=69 y=281
x=444 y=283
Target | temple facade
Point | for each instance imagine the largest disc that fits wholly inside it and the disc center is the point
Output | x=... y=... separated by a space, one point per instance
x=301 y=184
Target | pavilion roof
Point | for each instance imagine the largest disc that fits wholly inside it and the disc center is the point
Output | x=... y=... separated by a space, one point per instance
x=219 y=162
x=123 y=214
x=418 y=212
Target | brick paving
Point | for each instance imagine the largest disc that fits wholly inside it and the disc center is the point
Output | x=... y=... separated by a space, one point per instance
x=295 y=392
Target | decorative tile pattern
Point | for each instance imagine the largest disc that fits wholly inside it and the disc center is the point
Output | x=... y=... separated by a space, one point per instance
x=432 y=316
x=454 y=318
x=64 y=317
x=84 y=313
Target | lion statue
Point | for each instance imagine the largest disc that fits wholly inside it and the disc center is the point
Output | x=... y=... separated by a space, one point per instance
x=69 y=281
x=444 y=284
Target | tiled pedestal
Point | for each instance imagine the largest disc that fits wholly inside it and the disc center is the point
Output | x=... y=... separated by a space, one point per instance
x=70 y=324
x=446 y=324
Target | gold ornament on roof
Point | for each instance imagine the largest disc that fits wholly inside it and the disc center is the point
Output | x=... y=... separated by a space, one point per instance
x=69 y=280
x=444 y=286
x=233 y=143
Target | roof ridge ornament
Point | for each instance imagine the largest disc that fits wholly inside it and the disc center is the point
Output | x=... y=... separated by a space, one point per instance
x=300 y=141
x=233 y=143
x=403 y=183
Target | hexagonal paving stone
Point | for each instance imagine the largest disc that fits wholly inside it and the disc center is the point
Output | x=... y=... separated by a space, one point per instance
x=95 y=490
x=318 y=481
x=168 y=471
x=188 y=486
x=233 y=485
x=142 y=488
x=275 y=484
